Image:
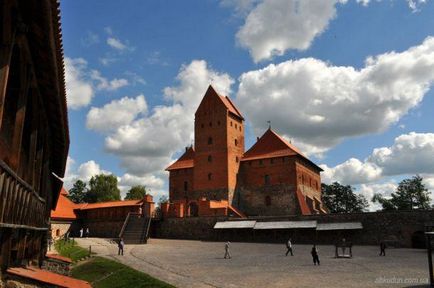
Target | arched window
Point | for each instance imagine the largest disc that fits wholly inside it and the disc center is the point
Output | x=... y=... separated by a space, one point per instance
x=267 y=200
x=237 y=159
x=209 y=140
x=209 y=176
x=236 y=142
x=209 y=158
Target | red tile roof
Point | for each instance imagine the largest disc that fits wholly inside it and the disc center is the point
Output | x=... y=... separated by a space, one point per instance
x=64 y=208
x=231 y=106
x=304 y=209
x=48 y=277
x=122 y=203
x=272 y=145
x=185 y=161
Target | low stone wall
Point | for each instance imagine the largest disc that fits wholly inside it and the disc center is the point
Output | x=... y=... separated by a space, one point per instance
x=401 y=227
x=104 y=229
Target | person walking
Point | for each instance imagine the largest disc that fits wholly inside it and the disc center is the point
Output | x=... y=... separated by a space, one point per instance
x=289 y=247
x=382 y=249
x=315 y=256
x=87 y=232
x=121 y=246
x=81 y=232
x=227 y=252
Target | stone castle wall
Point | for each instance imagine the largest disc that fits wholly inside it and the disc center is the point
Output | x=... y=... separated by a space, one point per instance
x=399 y=227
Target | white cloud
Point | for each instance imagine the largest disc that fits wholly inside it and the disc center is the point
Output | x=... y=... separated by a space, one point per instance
x=410 y=154
x=88 y=169
x=369 y=190
x=82 y=83
x=108 y=85
x=116 y=43
x=79 y=90
x=116 y=113
x=414 y=5
x=275 y=26
x=352 y=171
x=295 y=95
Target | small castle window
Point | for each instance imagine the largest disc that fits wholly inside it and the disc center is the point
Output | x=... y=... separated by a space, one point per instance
x=236 y=142
x=267 y=179
x=218 y=123
x=250 y=163
x=209 y=158
x=201 y=125
x=231 y=123
x=236 y=126
x=210 y=124
x=260 y=162
x=209 y=176
x=271 y=161
x=240 y=127
x=185 y=185
x=209 y=140
x=237 y=159
x=267 y=201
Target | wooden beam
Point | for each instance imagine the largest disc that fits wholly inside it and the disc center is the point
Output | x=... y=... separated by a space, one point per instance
x=8 y=33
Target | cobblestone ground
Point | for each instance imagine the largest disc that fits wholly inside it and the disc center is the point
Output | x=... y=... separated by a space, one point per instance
x=186 y=263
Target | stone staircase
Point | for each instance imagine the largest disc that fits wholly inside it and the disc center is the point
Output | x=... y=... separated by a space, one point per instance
x=135 y=229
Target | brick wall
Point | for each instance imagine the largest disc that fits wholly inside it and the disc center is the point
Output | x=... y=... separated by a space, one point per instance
x=397 y=226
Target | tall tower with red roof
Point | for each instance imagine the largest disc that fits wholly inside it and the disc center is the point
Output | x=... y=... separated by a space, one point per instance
x=219 y=146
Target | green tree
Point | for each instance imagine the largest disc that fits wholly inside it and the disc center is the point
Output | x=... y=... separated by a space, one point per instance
x=136 y=193
x=103 y=188
x=341 y=199
x=410 y=194
x=78 y=192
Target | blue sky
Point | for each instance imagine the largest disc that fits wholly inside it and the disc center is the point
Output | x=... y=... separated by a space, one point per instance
x=338 y=78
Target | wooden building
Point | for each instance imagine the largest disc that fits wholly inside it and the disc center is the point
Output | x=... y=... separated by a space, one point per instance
x=34 y=138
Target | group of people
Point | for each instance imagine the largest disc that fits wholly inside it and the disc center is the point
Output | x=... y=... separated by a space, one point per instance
x=84 y=233
x=314 y=251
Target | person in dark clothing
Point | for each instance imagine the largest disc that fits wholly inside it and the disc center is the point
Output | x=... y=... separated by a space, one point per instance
x=289 y=247
x=121 y=247
x=382 y=249
x=315 y=256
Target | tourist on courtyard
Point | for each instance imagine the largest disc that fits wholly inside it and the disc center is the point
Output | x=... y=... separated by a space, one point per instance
x=121 y=246
x=87 y=232
x=315 y=256
x=227 y=252
x=289 y=247
x=382 y=249
x=81 y=232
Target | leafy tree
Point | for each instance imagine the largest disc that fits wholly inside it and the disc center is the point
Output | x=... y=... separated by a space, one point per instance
x=136 y=193
x=78 y=192
x=341 y=199
x=103 y=188
x=410 y=194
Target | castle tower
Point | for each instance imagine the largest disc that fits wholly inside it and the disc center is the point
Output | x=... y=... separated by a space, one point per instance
x=219 y=146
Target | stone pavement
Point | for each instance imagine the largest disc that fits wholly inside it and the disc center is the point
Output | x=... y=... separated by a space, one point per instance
x=185 y=263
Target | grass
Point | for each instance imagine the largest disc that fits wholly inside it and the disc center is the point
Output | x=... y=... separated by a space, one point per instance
x=105 y=273
x=71 y=250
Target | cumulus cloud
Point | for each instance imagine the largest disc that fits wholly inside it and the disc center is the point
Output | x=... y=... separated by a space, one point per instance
x=116 y=43
x=275 y=26
x=410 y=154
x=352 y=171
x=116 y=113
x=79 y=90
x=307 y=99
x=414 y=5
x=369 y=190
x=82 y=83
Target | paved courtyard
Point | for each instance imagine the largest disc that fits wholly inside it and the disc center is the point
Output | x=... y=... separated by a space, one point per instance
x=186 y=263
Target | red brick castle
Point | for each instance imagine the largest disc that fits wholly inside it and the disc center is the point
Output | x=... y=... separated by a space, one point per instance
x=217 y=177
